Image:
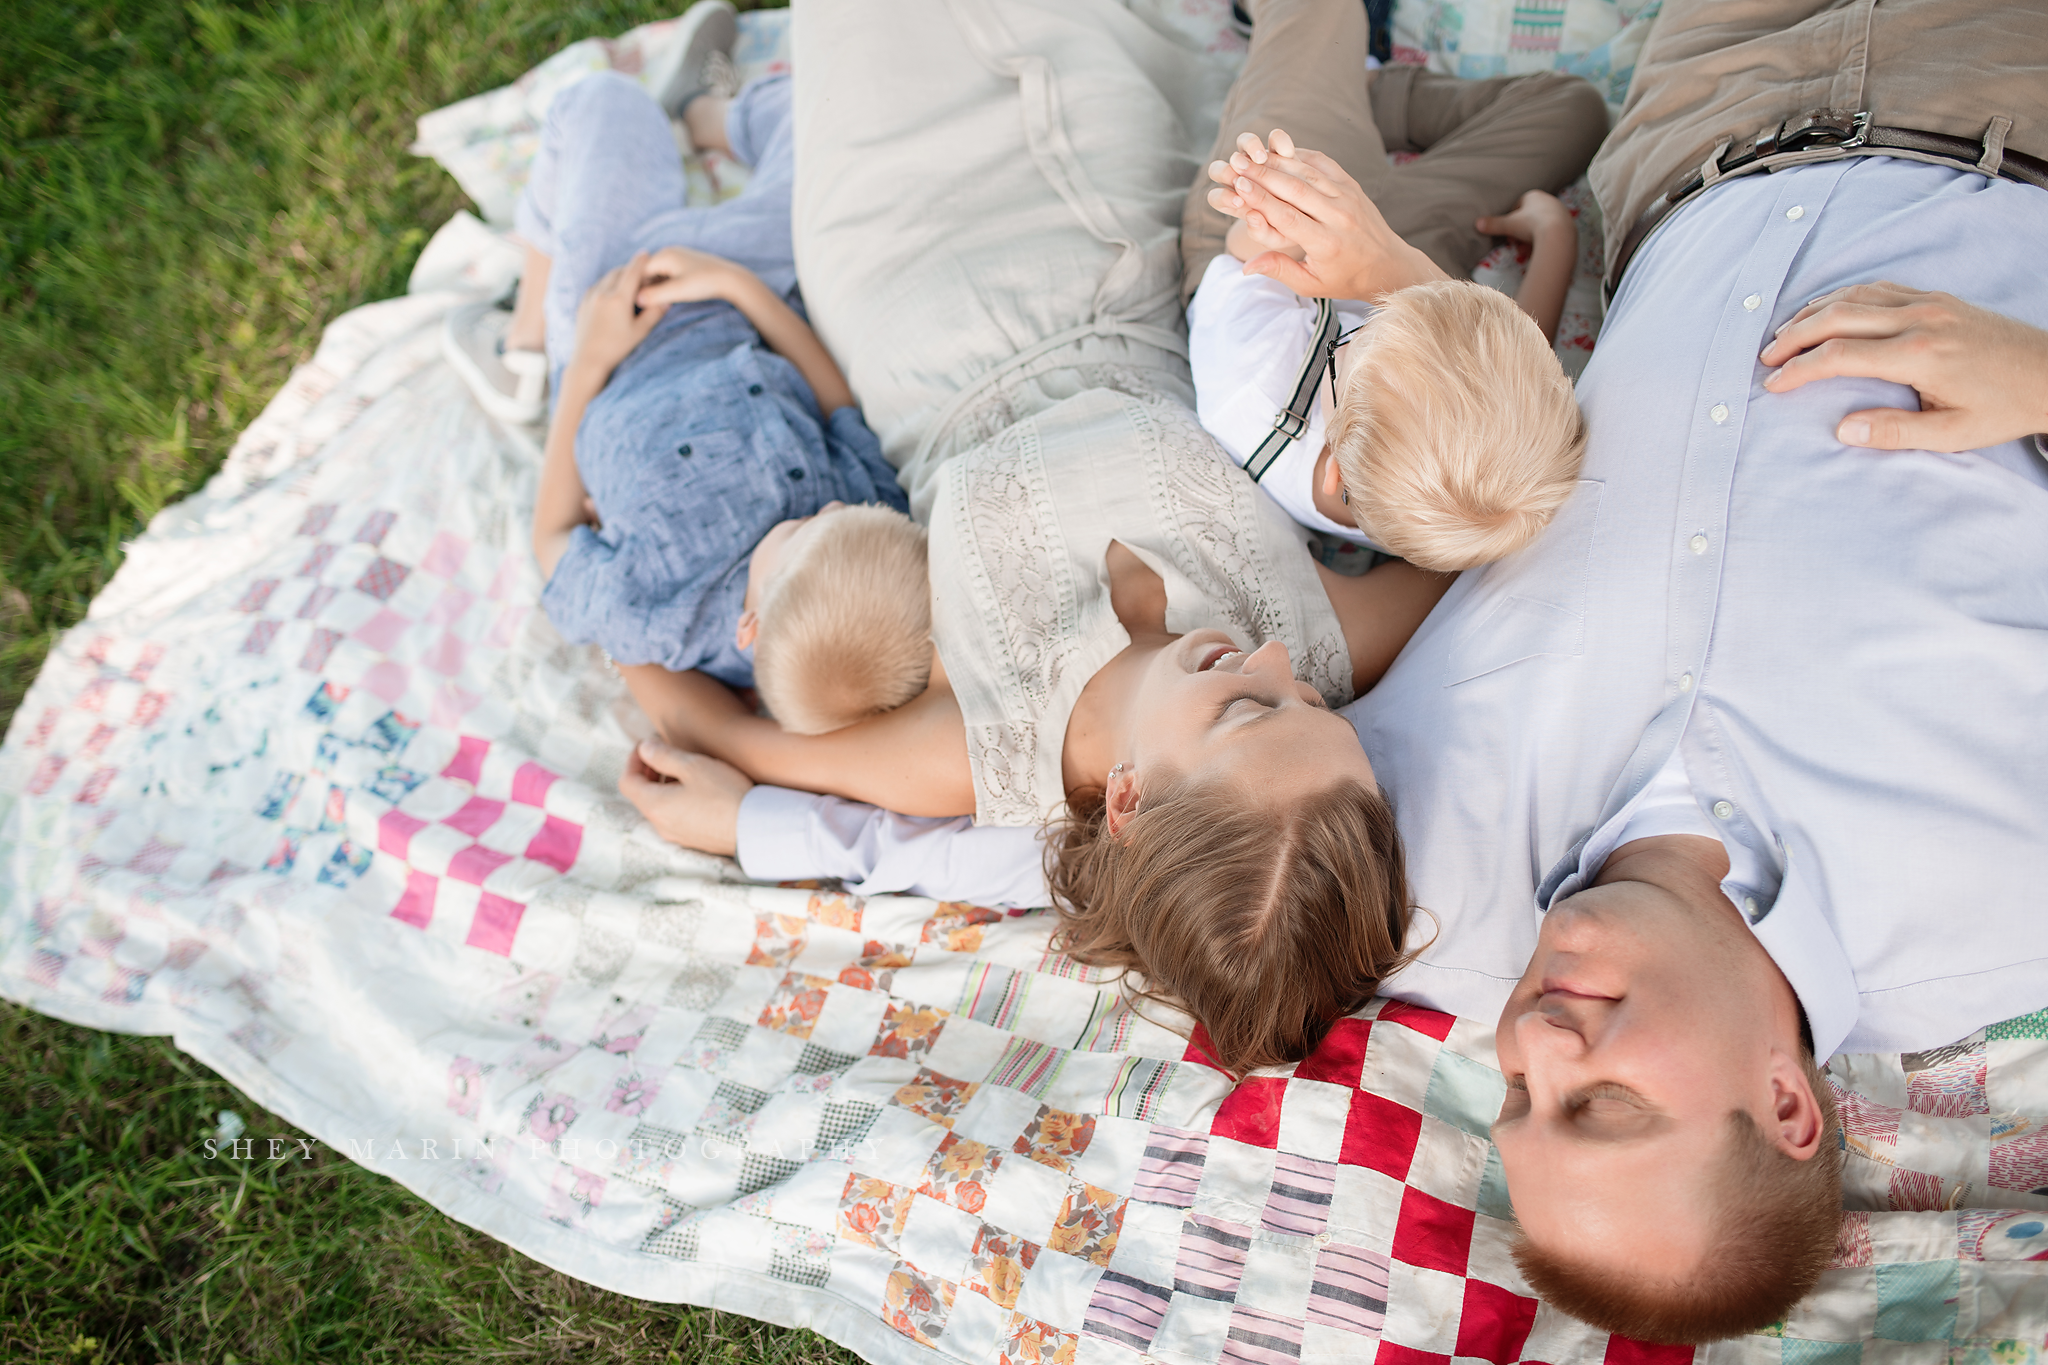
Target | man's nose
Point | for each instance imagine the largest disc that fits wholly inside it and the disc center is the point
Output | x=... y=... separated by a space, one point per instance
x=1551 y=1032
x=1270 y=657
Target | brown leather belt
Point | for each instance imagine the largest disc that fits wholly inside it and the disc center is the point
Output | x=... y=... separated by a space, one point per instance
x=1832 y=133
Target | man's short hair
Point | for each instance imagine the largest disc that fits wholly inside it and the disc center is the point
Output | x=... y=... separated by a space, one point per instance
x=1779 y=1221
x=846 y=625
x=1457 y=432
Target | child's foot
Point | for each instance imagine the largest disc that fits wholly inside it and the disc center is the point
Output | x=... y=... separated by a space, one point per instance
x=510 y=384
x=699 y=56
x=704 y=122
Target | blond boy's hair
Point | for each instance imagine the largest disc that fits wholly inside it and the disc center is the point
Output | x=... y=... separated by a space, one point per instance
x=1457 y=433
x=846 y=625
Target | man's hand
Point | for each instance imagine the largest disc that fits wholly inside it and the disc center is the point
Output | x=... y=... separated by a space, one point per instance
x=691 y=800
x=1982 y=377
x=1292 y=196
x=608 y=325
x=676 y=274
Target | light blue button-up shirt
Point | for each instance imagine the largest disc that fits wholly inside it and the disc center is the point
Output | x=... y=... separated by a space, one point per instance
x=1849 y=648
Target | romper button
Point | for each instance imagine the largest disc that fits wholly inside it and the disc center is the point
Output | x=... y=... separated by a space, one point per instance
x=796 y=475
x=1719 y=412
x=754 y=389
x=1722 y=810
x=684 y=450
x=1750 y=304
x=1795 y=213
x=1699 y=545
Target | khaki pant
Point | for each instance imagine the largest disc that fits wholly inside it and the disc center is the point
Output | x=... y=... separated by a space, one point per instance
x=1481 y=143
x=1714 y=69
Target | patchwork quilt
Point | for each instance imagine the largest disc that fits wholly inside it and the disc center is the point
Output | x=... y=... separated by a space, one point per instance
x=317 y=791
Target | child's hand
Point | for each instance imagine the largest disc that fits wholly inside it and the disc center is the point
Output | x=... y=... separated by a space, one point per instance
x=1289 y=196
x=608 y=325
x=676 y=274
x=1535 y=215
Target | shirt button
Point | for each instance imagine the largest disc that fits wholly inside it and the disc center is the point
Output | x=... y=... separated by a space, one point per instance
x=1795 y=213
x=754 y=389
x=1719 y=412
x=684 y=450
x=1749 y=908
x=1751 y=303
x=1685 y=683
x=796 y=476
x=1699 y=544
x=1722 y=810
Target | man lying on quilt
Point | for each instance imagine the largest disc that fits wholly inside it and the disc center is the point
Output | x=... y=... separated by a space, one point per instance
x=1755 y=727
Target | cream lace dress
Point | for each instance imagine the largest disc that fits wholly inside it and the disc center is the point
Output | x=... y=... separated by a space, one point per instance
x=1020 y=592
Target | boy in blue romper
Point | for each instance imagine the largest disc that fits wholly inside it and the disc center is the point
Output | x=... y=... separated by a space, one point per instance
x=699 y=426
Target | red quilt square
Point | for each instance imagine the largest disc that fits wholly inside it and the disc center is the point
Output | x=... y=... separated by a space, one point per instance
x=1494 y=1323
x=1251 y=1113
x=557 y=843
x=1392 y=1354
x=1341 y=1055
x=1200 y=1050
x=1433 y=1234
x=1431 y=1022
x=1381 y=1134
x=1629 y=1351
x=475 y=863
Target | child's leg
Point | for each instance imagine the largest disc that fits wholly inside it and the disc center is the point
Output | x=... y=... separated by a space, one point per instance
x=752 y=229
x=1482 y=143
x=1303 y=74
x=607 y=164
x=529 y=329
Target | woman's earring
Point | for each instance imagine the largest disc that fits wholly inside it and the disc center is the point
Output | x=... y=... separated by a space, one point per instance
x=1114 y=771
x=1345 y=495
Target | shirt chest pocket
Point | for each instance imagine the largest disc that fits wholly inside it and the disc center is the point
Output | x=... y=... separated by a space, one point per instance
x=1533 y=603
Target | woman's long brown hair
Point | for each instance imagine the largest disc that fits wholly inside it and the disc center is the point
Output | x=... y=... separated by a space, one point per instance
x=1267 y=925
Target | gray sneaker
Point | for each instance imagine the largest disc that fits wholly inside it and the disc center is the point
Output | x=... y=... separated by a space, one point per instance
x=511 y=386
x=698 y=58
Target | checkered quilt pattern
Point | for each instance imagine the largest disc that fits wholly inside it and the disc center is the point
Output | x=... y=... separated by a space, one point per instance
x=317 y=790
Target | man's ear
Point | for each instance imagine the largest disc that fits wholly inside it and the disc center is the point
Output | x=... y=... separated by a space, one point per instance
x=1119 y=798
x=749 y=627
x=1796 y=1127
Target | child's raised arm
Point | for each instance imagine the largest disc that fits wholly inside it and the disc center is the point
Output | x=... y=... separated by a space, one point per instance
x=1553 y=237
x=677 y=274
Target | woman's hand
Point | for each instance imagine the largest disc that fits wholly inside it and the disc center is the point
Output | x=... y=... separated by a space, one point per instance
x=1982 y=377
x=608 y=325
x=676 y=274
x=692 y=801
x=1296 y=196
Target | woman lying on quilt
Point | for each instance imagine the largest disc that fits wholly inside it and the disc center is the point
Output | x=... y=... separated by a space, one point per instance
x=1132 y=644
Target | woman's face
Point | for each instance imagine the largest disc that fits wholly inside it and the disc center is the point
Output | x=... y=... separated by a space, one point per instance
x=1206 y=711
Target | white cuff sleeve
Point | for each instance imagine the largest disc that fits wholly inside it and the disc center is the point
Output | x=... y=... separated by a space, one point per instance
x=786 y=835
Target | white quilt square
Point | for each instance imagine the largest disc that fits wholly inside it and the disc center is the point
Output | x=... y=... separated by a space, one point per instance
x=1149 y=1244
x=1057 y=1289
x=1112 y=1157
x=1193 y=1330
x=1448 y=1163
x=1024 y=1197
x=1312 y=1118
x=936 y=1237
x=1560 y=1336
x=1364 y=1207
x=1235 y=1181
x=1398 y=1061
x=1423 y=1307
x=1277 y=1273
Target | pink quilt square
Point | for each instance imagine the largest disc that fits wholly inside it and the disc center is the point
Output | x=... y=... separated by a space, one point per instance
x=1251 y=1113
x=530 y=784
x=1432 y=1022
x=416 y=906
x=1381 y=1134
x=497 y=920
x=557 y=843
x=394 y=832
x=1433 y=1234
x=387 y=680
x=451 y=704
x=383 y=630
x=468 y=763
x=478 y=814
x=1340 y=1057
x=46 y=774
x=445 y=555
x=505 y=579
x=447 y=655
x=475 y=863
x=505 y=629
x=1494 y=1323
x=449 y=606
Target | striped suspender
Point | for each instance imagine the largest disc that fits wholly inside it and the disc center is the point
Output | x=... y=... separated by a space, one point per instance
x=1292 y=421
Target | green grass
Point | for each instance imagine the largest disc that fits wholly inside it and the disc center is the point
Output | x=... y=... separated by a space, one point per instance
x=188 y=194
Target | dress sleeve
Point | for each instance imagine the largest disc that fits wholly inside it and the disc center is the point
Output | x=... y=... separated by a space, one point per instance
x=784 y=835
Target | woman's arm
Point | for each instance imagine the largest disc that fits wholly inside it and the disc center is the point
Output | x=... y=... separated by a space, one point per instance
x=1379 y=610
x=678 y=274
x=1553 y=238
x=608 y=327
x=912 y=760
